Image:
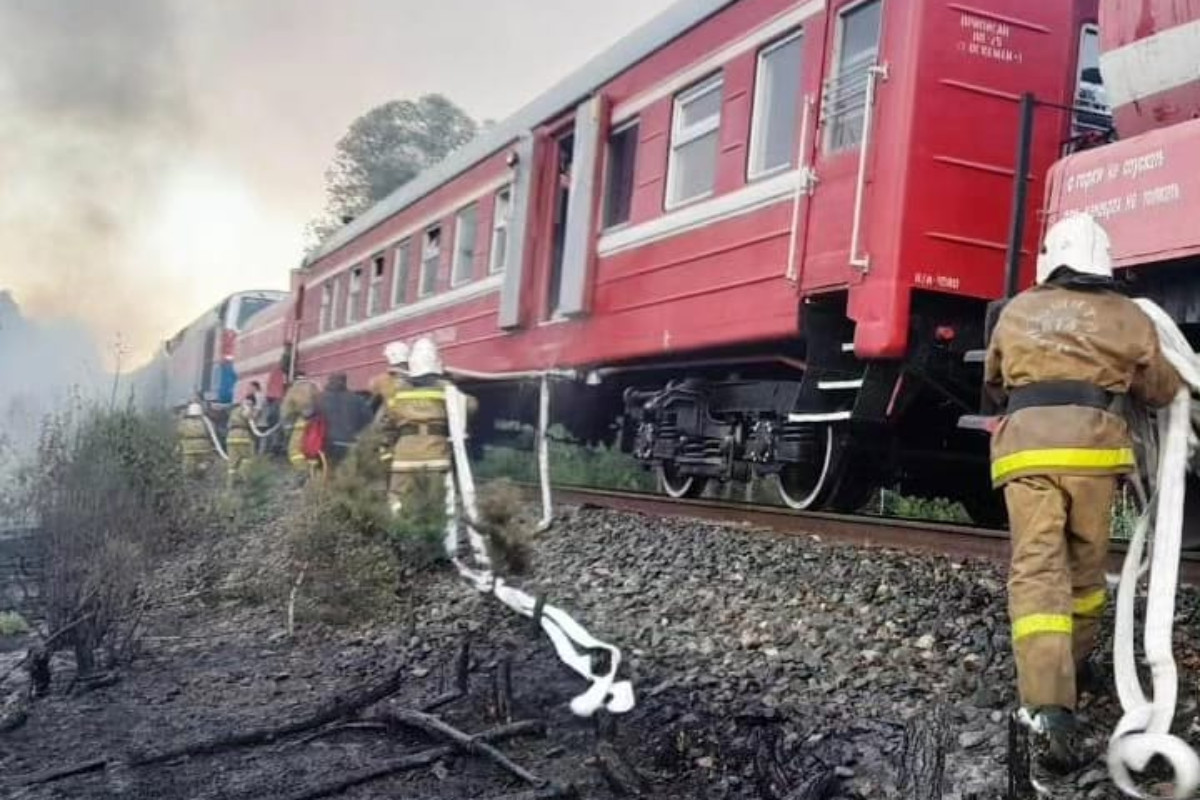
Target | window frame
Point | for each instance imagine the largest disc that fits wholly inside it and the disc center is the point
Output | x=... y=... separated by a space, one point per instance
x=683 y=137
x=1078 y=128
x=353 y=296
x=325 y=316
x=374 y=285
x=457 y=279
x=757 y=141
x=500 y=224
x=633 y=123
x=827 y=146
x=422 y=291
x=401 y=271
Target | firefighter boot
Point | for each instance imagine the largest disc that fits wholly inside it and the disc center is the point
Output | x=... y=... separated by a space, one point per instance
x=1056 y=740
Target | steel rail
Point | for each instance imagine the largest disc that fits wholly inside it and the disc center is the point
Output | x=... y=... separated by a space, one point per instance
x=922 y=536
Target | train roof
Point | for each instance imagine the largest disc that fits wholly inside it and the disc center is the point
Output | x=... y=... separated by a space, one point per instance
x=663 y=29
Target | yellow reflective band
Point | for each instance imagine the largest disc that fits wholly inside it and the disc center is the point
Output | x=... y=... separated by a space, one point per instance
x=420 y=394
x=1033 y=624
x=298 y=458
x=1062 y=458
x=1090 y=604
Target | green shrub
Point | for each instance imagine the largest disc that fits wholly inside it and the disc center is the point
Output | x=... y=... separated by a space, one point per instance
x=12 y=624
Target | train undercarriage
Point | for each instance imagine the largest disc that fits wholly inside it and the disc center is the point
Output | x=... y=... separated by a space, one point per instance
x=826 y=429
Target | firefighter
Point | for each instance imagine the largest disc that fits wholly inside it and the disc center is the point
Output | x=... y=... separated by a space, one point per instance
x=345 y=414
x=239 y=439
x=195 y=442
x=381 y=389
x=1064 y=354
x=299 y=408
x=418 y=413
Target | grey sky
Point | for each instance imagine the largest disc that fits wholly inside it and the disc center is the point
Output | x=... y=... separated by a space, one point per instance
x=220 y=186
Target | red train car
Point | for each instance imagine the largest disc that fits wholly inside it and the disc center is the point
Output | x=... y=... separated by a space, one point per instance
x=765 y=229
x=264 y=351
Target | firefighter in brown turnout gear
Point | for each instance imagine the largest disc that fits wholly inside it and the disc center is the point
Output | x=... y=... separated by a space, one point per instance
x=418 y=414
x=239 y=439
x=1064 y=353
x=382 y=388
x=298 y=408
x=195 y=443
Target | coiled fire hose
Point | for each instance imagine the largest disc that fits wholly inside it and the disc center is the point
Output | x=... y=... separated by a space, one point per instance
x=1144 y=730
x=594 y=660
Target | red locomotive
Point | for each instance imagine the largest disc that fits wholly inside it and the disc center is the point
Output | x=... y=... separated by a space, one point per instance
x=763 y=232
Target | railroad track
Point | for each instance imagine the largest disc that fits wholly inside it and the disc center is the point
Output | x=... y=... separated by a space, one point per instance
x=861 y=530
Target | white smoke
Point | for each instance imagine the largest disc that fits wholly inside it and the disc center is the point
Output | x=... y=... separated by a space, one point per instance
x=47 y=367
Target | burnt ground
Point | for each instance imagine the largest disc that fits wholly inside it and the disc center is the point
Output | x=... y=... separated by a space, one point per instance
x=765 y=667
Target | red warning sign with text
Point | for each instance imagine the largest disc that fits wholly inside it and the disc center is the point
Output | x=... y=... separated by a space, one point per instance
x=1145 y=191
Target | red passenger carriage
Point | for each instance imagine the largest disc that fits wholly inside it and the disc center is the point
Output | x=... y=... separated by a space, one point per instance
x=765 y=229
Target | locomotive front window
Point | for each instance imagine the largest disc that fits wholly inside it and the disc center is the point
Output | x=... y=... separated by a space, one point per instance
x=465 y=228
x=400 y=278
x=431 y=255
x=846 y=95
x=692 y=166
x=353 y=295
x=500 y=216
x=776 y=106
x=247 y=308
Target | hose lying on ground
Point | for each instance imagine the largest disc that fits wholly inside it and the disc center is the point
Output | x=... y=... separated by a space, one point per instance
x=573 y=644
x=1144 y=730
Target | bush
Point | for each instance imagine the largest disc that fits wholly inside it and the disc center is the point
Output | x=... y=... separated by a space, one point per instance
x=107 y=492
x=506 y=527
x=12 y=624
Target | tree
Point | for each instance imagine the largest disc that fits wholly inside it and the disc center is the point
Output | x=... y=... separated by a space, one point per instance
x=386 y=148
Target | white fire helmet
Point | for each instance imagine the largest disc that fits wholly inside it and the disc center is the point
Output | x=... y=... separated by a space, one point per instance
x=424 y=358
x=1079 y=242
x=194 y=410
x=396 y=354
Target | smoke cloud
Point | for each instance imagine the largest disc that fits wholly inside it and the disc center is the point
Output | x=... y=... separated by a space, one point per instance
x=94 y=118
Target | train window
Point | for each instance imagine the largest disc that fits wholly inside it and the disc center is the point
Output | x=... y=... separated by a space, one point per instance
x=248 y=307
x=400 y=277
x=622 y=156
x=776 y=106
x=466 y=226
x=846 y=97
x=353 y=295
x=1092 y=112
x=501 y=214
x=431 y=255
x=327 y=293
x=692 y=165
x=375 y=290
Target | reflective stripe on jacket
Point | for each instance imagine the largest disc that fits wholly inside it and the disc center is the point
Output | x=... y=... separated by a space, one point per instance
x=1055 y=333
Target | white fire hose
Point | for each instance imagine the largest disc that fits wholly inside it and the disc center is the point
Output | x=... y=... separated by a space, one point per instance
x=1144 y=730
x=212 y=434
x=572 y=642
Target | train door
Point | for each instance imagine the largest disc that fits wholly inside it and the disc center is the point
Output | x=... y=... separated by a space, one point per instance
x=835 y=245
x=564 y=153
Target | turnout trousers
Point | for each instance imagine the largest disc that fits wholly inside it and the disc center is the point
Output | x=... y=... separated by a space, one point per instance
x=1056 y=590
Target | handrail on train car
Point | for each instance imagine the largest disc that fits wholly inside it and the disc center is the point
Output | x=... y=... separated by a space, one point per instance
x=863 y=261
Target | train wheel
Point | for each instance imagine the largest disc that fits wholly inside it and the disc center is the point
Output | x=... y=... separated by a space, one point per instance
x=802 y=486
x=680 y=486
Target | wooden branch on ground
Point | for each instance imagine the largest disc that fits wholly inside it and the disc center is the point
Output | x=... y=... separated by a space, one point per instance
x=50 y=776
x=423 y=758
x=464 y=741
x=462 y=678
x=332 y=712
